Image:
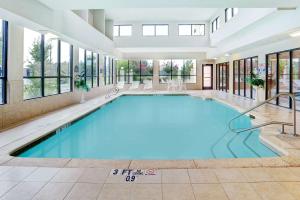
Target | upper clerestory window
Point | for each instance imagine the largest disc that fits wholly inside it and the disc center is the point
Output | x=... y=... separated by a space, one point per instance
x=122 y=30
x=155 y=29
x=230 y=13
x=215 y=25
x=191 y=29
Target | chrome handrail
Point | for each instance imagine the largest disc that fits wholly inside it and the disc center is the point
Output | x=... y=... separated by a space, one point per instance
x=112 y=92
x=292 y=96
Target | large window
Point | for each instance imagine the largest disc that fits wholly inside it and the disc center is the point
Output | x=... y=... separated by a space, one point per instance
x=191 y=29
x=122 y=30
x=215 y=25
x=32 y=68
x=134 y=70
x=89 y=67
x=3 y=61
x=65 y=69
x=222 y=82
x=230 y=13
x=47 y=68
x=155 y=29
x=283 y=74
x=51 y=64
x=242 y=70
x=177 y=69
x=108 y=70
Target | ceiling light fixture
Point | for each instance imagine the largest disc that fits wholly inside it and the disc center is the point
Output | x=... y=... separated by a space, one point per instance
x=295 y=34
x=227 y=54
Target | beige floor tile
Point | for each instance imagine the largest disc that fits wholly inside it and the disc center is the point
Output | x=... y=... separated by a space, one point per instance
x=282 y=174
x=272 y=191
x=118 y=164
x=238 y=191
x=116 y=179
x=146 y=192
x=53 y=191
x=150 y=178
x=293 y=188
x=6 y=185
x=229 y=175
x=42 y=174
x=4 y=169
x=17 y=173
x=202 y=176
x=209 y=192
x=256 y=174
x=273 y=162
x=67 y=175
x=175 y=176
x=115 y=192
x=38 y=162
x=162 y=164
x=177 y=192
x=84 y=191
x=94 y=175
x=295 y=171
x=24 y=191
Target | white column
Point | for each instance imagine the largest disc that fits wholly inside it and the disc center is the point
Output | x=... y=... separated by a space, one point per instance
x=99 y=20
x=109 y=29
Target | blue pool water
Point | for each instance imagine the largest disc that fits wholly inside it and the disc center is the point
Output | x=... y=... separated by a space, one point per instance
x=154 y=127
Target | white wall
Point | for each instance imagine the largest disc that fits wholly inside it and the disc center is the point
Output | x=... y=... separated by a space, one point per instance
x=64 y=23
x=244 y=18
x=173 y=40
x=271 y=28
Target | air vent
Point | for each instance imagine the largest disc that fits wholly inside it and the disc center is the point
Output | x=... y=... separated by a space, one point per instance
x=286 y=8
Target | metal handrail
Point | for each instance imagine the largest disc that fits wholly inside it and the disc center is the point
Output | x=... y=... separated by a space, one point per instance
x=292 y=96
x=112 y=92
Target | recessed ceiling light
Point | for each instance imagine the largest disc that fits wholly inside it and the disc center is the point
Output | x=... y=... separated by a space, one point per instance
x=227 y=54
x=215 y=58
x=295 y=34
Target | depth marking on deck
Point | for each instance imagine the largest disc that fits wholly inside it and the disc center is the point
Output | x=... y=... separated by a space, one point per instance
x=130 y=175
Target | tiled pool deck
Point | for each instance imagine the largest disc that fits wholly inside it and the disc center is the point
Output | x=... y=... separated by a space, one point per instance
x=261 y=178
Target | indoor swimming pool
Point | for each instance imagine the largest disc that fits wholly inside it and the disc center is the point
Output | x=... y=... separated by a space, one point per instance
x=169 y=127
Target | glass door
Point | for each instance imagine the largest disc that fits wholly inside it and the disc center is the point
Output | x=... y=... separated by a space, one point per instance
x=207 y=77
x=296 y=75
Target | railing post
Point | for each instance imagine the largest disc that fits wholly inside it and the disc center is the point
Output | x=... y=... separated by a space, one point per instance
x=294 y=113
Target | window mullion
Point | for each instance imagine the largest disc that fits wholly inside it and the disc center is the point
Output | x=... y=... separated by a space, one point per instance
x=58 y=65
x=4 y=61
x=85 y=66
x=42 y=53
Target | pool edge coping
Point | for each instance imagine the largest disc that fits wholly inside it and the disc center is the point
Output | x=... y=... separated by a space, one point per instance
x=282 y=161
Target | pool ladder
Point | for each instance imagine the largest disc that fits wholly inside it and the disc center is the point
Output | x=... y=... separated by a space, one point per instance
x=294 y=123
x=112 y=92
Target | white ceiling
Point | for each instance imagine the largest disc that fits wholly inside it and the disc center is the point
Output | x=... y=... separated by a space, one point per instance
x=106 y=4
x=160 y=14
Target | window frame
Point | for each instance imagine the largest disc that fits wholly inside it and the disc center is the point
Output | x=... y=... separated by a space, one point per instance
x=155 y=32
x=108 y=67
x=191 y=27
x=216 y=21
x=181 y=75
x=277 y=75
x=243 y=75
x=127 y=76
x=42 y=76
x=220 y=79
x=232 y=13
x=119 y=30
x=93 y=85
